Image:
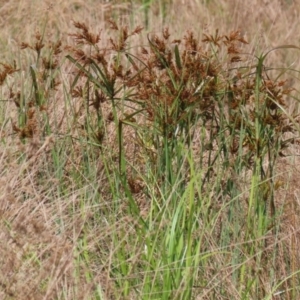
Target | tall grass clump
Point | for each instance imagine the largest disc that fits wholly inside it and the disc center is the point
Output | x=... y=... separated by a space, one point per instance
x=164 y=160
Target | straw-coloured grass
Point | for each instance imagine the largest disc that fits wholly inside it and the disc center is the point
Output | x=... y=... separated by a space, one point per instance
x=149 y=150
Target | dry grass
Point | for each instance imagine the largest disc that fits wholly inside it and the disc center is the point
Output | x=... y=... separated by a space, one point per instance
x=70 y=227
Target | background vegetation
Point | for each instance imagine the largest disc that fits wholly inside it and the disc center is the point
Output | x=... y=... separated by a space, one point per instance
x=149 y=150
